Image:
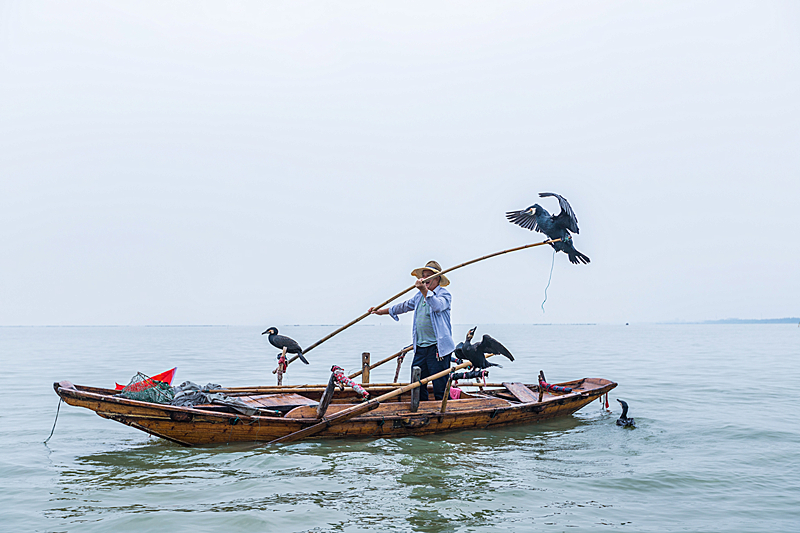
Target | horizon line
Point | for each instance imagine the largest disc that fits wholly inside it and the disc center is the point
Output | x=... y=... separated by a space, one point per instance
x=790 y=320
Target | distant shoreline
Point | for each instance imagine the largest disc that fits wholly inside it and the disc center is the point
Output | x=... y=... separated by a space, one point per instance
x=788 y=320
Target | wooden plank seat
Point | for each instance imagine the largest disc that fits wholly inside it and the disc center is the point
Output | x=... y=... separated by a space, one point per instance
x=521 y=392
x=284 y=402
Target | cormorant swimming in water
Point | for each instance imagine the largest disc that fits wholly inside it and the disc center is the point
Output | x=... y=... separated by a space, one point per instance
x=476 y=353
x=536 y=218
x=281 y=342
x=623 y=419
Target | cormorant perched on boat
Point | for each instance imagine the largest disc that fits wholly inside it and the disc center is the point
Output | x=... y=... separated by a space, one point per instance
x=281 y=342
x=623 y=419
x=536 y=218
x=476 y=353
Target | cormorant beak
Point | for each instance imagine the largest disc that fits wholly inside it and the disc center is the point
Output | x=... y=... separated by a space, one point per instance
x=265 y=332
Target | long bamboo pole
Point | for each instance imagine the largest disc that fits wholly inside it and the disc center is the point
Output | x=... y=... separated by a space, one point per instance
x=399 y=294
x=346 y=414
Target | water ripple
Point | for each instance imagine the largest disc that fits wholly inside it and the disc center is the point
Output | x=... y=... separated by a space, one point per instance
x=706 y=456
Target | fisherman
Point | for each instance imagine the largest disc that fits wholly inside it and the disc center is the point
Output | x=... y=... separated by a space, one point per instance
x=431 y=332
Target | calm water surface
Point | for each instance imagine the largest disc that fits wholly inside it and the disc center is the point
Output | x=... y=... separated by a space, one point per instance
x=716 y=448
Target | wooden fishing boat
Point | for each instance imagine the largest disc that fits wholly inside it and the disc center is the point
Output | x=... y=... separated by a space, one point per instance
x=289 y=413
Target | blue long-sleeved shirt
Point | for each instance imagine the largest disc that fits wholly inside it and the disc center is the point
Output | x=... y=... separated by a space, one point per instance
x=438 y=300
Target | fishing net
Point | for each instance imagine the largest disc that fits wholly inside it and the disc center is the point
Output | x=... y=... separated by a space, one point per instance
x=147 y=389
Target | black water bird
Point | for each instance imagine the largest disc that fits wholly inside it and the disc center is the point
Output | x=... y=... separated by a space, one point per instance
x=536 y=218
x=282 y=341
x=476 y=353
x=623 y=419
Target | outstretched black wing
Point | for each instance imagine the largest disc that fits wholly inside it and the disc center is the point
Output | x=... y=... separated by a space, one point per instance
x=490 y=345
x=566 y=216
x=524 y=219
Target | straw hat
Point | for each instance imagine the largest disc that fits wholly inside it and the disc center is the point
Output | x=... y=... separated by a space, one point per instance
x=435 y=268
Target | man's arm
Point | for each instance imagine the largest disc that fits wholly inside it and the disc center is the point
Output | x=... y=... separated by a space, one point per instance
x=404 y=307
x=397 y=309
x=438 y=300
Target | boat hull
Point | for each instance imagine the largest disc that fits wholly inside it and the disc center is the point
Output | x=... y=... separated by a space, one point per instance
x=199 y=426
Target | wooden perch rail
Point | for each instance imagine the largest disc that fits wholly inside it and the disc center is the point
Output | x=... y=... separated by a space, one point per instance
x=379 y=363
x=319 y=387
x=399 y=294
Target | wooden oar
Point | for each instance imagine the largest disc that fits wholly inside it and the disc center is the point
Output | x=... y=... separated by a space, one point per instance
x=399 y=294
x=350 y=412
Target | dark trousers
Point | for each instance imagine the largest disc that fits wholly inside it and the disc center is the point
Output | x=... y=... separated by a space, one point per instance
x=425 y=358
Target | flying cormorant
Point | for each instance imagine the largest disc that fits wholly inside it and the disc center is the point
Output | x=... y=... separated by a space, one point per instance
x=623 y=419
x=476 y=353
x=281 y=342
x=536 y=218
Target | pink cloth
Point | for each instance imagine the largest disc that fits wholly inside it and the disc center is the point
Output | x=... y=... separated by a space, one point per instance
x=455 y=393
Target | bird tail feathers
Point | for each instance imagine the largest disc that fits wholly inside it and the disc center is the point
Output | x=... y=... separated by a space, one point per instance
x=577 y=258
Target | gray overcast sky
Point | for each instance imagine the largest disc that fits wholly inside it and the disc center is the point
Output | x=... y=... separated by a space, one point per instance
x=291 y=162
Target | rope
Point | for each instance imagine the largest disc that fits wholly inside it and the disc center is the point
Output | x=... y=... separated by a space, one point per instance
x=282 y=366
x=60 y=401
x=551 y=388
x=550 y=278
x=340 y=377
x=399 y=364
